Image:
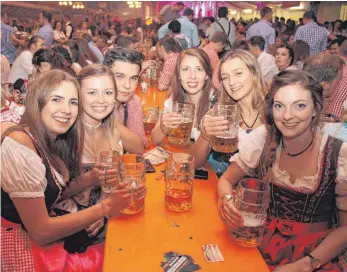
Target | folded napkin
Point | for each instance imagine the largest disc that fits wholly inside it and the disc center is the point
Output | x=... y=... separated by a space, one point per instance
x=157 y=155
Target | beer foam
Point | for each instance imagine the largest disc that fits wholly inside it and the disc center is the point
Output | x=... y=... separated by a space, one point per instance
x=252 y=220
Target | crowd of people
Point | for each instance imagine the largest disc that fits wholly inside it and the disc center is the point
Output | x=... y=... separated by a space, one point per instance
x=68 y=93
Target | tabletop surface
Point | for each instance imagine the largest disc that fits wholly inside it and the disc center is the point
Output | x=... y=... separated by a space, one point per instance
x=139 y=242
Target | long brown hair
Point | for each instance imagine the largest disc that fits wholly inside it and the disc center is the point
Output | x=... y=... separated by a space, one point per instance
x=286 y=78
x=109 y=123
x=259 y=90
x=180 y=95
x=64 y=150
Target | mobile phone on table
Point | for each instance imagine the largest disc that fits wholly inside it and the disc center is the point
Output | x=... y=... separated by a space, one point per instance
x=201 y=174
x=149 y=166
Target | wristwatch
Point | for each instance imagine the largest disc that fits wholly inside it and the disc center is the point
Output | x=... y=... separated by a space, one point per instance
x=315 y=263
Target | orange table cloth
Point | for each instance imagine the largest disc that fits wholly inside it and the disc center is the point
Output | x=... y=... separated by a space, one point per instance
x=138 y=242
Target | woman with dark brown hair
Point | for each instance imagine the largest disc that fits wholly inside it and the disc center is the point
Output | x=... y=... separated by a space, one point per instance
x=191 y=82
x=307 y=173
x=39 y=158
x=301 y=53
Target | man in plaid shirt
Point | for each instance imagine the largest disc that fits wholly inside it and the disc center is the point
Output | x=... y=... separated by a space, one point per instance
x=312 y=33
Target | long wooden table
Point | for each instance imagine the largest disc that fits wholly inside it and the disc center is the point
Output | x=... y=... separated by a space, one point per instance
x=138 y=243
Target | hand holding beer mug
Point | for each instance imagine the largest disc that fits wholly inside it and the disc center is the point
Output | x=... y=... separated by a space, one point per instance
x=150 y=117
x=110 y=160
x=132 y=172
x=245 y=213
x=221 y=128
x=179 y=178
x=181 y=133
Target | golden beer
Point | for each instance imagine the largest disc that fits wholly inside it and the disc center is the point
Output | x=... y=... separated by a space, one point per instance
x=227 y=144
x=251 y=234
x=179 y=178
x=181 y=134
x=148 y=126
x=178 y=200
x=132 y=171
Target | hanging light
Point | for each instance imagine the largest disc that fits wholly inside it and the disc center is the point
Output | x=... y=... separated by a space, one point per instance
x=78 y=5
x=134 y=4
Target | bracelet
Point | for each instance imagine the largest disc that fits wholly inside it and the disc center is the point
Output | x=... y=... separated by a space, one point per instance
x=105 y=210
x=225 y=197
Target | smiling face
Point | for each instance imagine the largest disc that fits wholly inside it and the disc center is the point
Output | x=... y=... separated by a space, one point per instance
x=98 y=98
x=58 y=26
x=127 y=77
x=282 y=58
x=237 y=79
x=334 y=48
x=192 y=74
x=293 y=110
x=61 y=109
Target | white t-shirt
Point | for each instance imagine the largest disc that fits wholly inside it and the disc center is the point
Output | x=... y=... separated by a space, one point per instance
x=22 y=67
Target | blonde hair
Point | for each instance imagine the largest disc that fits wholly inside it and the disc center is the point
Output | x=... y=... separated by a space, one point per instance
x=259 y=87
x=109 y=123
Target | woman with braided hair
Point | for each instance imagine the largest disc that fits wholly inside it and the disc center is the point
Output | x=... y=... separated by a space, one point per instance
x=307 y=173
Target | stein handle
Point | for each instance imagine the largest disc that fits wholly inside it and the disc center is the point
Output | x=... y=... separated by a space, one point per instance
x=203 y=132
x=221 y=201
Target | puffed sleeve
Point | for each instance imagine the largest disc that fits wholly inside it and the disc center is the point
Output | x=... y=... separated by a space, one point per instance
x=22 y=171
x=250 y=148
x=341 y=179
x=168 y=105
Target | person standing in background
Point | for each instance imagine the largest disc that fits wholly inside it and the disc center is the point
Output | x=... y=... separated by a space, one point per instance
x=170 y=12
x=315 y=35
x=265 y=29
x=224 y=25
x=68 y=26
x=46 y=30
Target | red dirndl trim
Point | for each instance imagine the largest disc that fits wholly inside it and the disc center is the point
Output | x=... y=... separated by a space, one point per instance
x=286 y=241
x=20 y=253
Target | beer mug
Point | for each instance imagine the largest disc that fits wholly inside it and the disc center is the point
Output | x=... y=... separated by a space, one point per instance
x=111 y=160
x=252 y=201
x=154 y=77
x=181 y=134
x=150 y=117
x=228 y=142
x=132 y=171
x=179 y=177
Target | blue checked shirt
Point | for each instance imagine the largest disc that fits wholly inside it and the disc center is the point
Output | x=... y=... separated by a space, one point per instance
x=315 y=35
x=263 y=28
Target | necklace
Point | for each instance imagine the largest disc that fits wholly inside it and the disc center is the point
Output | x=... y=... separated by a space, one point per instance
x=250 y=128
x=92 y=128
x=297 y=154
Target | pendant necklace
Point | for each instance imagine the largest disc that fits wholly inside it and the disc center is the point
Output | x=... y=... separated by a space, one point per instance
x=249 y=128
x=296 y=154
x=91 y=128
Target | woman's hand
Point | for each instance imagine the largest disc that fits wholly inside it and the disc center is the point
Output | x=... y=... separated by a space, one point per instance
x=119 y=199
x=104 y=175
x=302 y=265
x=232 y=216
x=171 y=120
x=214 y=125
x=94 y=229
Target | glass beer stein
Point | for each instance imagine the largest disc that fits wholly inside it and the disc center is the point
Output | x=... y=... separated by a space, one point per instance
x=228 y=142
x=181 y=134
x=132 y=170
x=179 y=177
x=111 y=160
x=252 y=201
x=150 y=117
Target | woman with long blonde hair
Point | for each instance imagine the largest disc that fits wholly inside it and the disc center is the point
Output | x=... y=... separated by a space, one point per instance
x=98 y=96
x=242 y=83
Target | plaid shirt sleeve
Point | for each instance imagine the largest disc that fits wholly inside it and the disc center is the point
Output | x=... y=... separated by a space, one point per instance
x=168 y=69
x=340 y=95
x=212 y=56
